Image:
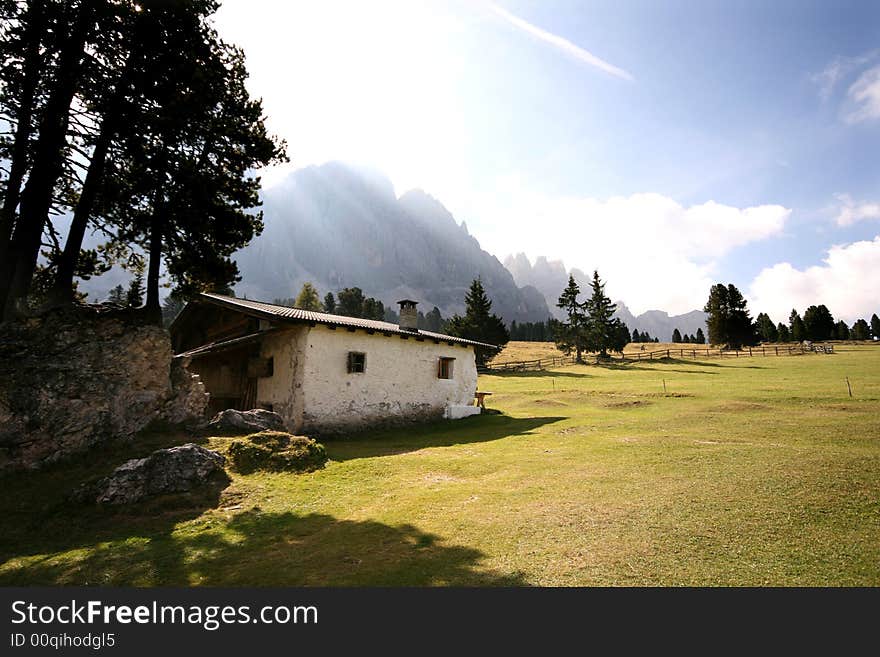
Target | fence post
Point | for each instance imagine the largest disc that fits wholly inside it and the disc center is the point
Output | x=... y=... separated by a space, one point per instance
x=750 y=352
x=667 y=353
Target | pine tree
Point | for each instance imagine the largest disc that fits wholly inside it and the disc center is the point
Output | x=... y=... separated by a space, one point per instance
x=619 y=336
x=134 y=297
x=479 y=323
x=350 y=302
x=676 y=336
x=329 y=303
x=700 y=338
x=434 y=320
x=117 y=296
x=601 y=327
x=841 y=330
x=860 y=331
x=766 y=328
x=636 y=336
x=818 y=323
x=783 y=333
x=875 y=326
x=728 y=318
x=308 y=299
x=686 y=339
x=798 y=332
x=571 y=336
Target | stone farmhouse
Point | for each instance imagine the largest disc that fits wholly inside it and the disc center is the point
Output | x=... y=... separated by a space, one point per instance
x=324 y=373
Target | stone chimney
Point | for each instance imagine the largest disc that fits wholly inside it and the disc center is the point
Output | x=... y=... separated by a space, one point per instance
x=409 y=316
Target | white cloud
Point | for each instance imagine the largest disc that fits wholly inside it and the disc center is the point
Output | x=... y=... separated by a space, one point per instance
x=838 y=70
x=851 y=211
x=561 y=43
x=864 y=97
x=653 y=252
x=846 y=283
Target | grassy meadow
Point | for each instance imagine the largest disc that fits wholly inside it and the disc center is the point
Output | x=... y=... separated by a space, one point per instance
x=746 y=471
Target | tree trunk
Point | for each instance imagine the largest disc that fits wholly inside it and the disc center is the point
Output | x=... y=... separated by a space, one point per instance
x=62 y=289
x=18 y=162
x=153 y=309
x=36 y=199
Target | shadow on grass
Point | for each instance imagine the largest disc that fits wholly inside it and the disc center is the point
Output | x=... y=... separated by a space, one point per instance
x=476 y=429
x=260 y=549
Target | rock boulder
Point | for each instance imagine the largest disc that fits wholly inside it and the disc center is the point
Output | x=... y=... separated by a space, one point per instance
x=173 y=470
x=76 y=377
x=232 y=421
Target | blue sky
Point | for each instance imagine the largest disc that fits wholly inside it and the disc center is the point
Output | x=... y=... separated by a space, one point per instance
x=668 y=144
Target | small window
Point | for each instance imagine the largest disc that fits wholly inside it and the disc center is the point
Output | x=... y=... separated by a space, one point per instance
x=445 y=369
x=357 y=362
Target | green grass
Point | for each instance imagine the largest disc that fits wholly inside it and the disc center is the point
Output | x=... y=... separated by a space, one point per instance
x=756 y=471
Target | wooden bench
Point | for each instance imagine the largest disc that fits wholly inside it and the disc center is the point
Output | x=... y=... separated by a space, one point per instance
x=479 y=398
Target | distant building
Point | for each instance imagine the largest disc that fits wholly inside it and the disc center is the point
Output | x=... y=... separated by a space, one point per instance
x=320 y=372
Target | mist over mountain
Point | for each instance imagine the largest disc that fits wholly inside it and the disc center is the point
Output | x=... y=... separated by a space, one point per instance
x=550 y=277
x=339 y=226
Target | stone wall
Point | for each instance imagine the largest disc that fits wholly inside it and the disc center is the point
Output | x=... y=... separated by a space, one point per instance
x=73 y=378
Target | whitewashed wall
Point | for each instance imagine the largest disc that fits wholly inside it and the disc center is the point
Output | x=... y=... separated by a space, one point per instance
x=400 y=382
x=283 y=390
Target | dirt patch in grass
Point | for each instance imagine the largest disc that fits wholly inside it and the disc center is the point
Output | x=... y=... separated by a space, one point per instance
x=631 y=403
x=439 y=478
x=738 y=407
x=549 y=402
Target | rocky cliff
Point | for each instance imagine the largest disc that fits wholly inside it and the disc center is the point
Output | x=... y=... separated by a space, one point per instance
x=339 y=226
x=75 y=378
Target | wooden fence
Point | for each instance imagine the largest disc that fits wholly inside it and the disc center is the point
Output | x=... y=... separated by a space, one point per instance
x=661 y=354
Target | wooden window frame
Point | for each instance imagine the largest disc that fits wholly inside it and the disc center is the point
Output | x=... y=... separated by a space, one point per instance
x=355 y=367
x=446 y=365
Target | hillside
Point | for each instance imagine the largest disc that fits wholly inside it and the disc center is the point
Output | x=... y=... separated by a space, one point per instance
x=340 y=226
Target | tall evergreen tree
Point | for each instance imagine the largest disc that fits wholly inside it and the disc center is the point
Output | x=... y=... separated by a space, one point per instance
x=307 y=299
x=875 y=326
x=134 y=118
x=766 y=328
x=620 y=336
x=601 y=325
x=841 y=330
x=350 y=302
x=676 y=336
x=134 y=297
x=117 y=296
x=329 y=305
x=860 y=331
x=783 y=332
x=728 y=318
x=571 y=336
x=479 y=323
x=434 y=320
x=798 y=332
x=818 y=323
x=700 y=338
x=375 y=309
